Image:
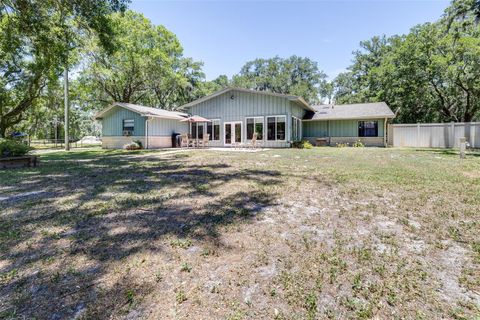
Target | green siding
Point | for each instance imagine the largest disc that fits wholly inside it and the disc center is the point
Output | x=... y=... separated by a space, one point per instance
x=244 y=105
x=112 y=122
x=317 y=129
x=165 y=127
x=338 y=128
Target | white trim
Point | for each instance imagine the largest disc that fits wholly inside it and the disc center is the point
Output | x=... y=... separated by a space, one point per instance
x=233 y=132
x=263 y=127
x=299 y=128
x=286 y=128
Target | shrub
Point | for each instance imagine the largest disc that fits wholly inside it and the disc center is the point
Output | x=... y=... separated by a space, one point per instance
x=302 y=144
x=358 y=144
x=342 y=145
x=139 y=143
x=13 y=148
x=132 y=146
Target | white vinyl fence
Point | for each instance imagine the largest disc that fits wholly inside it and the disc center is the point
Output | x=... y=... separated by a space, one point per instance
x=434 y=135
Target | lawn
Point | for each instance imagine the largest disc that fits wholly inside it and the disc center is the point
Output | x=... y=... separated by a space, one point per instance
x=280 y=234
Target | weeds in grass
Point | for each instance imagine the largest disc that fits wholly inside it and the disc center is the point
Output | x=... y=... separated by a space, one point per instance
x=186 y=267
x=181 y=296
x=181 y=243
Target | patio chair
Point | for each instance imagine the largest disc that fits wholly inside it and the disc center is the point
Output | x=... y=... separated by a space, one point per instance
x=184 y=142
x=191 y=142
x=254 y=142
x=204 y=142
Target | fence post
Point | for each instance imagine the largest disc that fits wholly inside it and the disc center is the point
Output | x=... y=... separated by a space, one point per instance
x=452 y=126
x=418 y=135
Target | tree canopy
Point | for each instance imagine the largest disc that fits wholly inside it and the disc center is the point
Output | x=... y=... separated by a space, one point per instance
x=36 y=39
x=430 y=74
x=147 y=67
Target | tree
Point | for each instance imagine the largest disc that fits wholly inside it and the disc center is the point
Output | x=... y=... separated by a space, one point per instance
x=293 y=75
x=147 y=67
x=36 y=35
x=430 y=74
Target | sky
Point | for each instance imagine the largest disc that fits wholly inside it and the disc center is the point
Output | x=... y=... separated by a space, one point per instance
x=227 y=34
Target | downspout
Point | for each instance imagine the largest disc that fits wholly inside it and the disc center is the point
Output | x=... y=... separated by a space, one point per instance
x=146 y=132
x=385 y=132
x=328 y=133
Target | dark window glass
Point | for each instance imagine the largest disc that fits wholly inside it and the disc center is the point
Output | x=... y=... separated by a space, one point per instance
x=250 y=128
x=216 y=130
x=368 y=128
x=209 y=130
x=270 y=128
x=238 y=132
x=259 y=129
x=200 y=131
x=128 y=124
x=228 y=134
x=194 y=130
x=280 y=128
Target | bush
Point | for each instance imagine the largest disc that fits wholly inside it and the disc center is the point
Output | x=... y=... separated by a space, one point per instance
x=342 y=145
x=132 y=146
x=358 y=144
x=302 y=144
x=13 y=148
x=139 y=143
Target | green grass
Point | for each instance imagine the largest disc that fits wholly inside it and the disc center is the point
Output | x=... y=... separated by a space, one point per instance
x=285 y=234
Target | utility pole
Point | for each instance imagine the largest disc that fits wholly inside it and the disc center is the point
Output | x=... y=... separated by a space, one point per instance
x=67 y=106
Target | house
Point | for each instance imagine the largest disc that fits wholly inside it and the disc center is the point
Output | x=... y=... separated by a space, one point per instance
x=124 y=122
x=365 y=122
x=235 y=114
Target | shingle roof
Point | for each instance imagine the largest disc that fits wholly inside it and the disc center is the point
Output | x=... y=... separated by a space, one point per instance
x=350 y=111
x=144 y=111
x=297 y=99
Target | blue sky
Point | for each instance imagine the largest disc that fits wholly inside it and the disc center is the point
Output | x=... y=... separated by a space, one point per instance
x=226 y=34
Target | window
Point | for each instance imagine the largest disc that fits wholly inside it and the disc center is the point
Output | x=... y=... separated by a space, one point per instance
x=213 y=129
x=296 y=129
x=194 y=130
x=255 y=125
x=128 y=126
x=368 y=128
x=276 y=128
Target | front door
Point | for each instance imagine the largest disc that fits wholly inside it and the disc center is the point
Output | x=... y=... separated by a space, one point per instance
x=232 y=133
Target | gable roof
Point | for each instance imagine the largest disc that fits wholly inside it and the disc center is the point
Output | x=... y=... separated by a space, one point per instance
x=144 y=111
x=350 y=111
x=293 y=98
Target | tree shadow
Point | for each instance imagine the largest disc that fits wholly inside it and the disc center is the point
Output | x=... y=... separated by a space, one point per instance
x=111 y=206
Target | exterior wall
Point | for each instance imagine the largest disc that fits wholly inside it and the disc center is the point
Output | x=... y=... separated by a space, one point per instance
x=165 y=127
x=112 y=122
x=117 y=142
x=341 y=131
x=245 y=105
x=317 y=129
x=367 y=141
x=159 y=130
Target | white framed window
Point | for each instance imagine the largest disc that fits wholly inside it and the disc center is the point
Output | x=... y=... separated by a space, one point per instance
x=296 y=129
x=255 y=124
x=213 y=129
x=276 y=128
x=128 y=126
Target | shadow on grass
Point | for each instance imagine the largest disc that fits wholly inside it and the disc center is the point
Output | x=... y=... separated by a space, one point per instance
x=450 y=152
x=115 y=227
